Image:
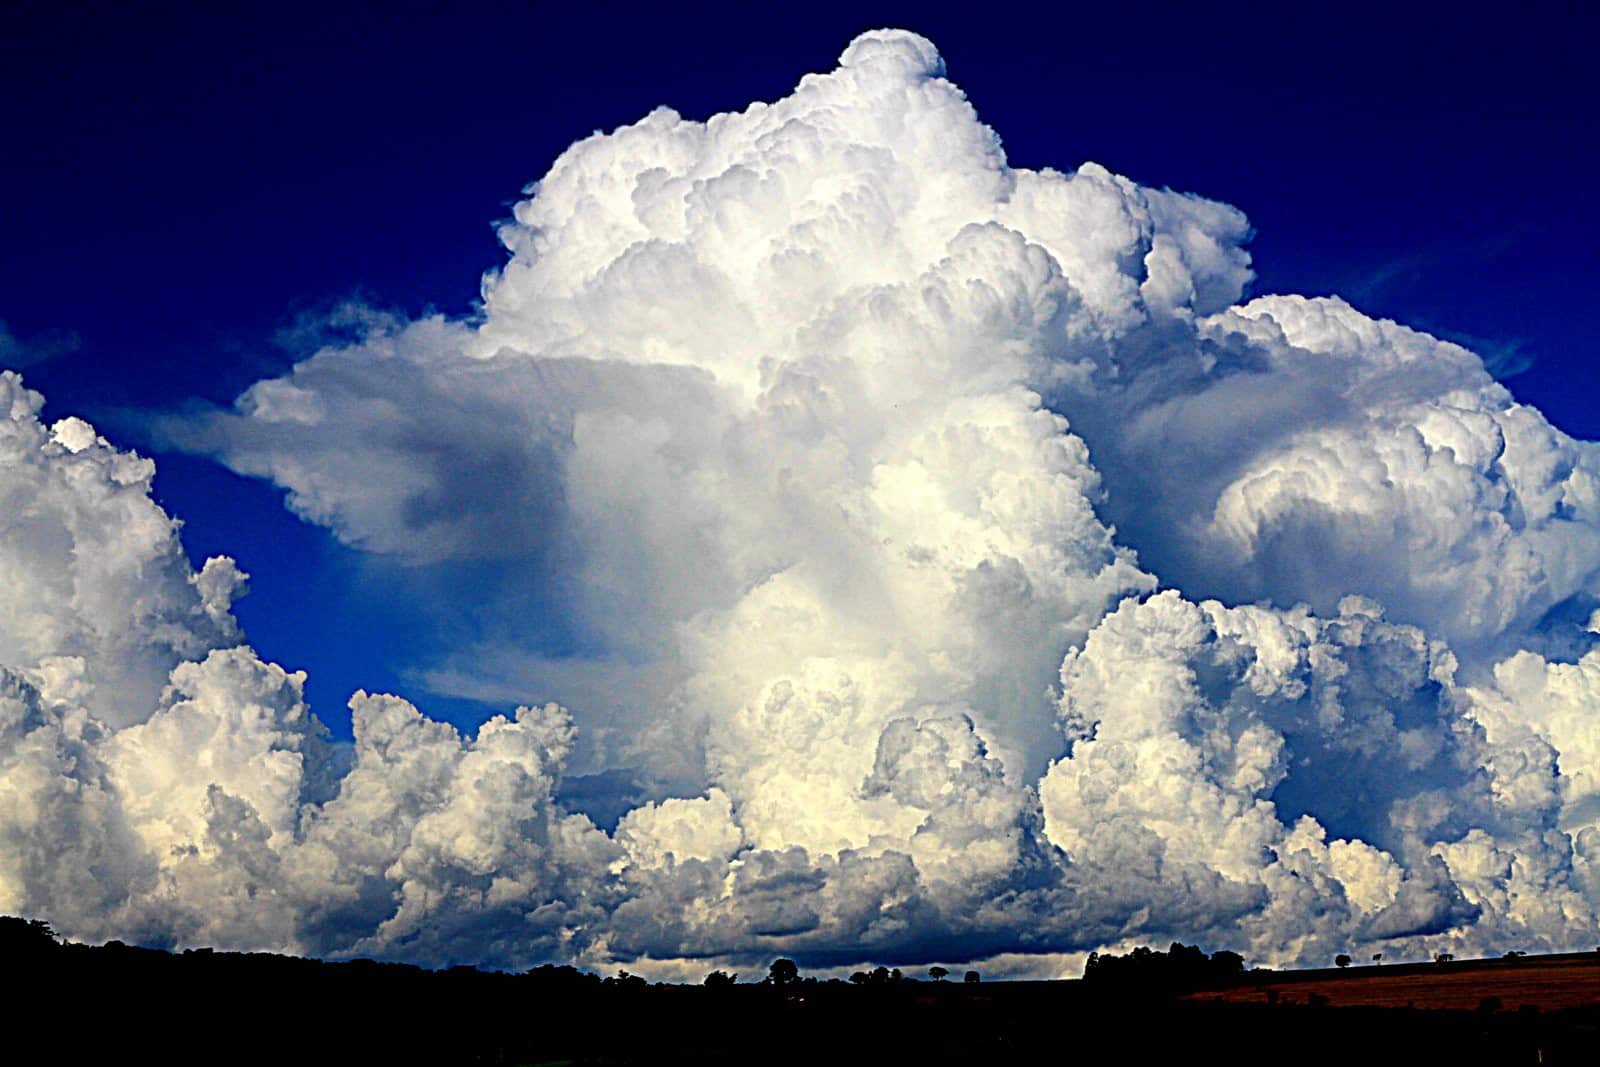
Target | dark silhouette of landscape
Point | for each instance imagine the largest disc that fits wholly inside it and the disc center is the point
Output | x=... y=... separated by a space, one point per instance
x=115 y=1003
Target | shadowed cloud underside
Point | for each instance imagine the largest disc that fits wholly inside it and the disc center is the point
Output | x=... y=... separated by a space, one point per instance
x=961 y=569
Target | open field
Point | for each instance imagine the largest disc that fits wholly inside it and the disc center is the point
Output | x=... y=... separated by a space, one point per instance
x=1548 y=983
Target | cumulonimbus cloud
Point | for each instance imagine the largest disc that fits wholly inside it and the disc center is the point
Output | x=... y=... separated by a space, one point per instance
x=857 y=458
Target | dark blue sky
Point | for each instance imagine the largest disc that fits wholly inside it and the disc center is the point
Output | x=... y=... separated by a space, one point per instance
x=181 y=188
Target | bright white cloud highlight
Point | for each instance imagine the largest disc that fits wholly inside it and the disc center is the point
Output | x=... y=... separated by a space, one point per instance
x=834 y=437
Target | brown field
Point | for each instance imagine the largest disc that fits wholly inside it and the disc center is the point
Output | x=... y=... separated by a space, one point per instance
x=1548 y=983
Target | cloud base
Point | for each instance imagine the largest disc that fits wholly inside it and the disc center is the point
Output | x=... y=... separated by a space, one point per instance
x=958 y=564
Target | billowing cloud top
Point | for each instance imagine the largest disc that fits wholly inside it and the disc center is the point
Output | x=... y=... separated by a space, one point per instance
x=855 y=458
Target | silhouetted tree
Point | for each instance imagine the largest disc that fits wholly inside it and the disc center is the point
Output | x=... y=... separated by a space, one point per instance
x=720 y=979
x=971 y=978
x=1179 y=969
x=624 y=980
x=1443 y=957
x=1341 y=961
x=562 y=978
x=937 y=973
x=783 y=972
x=876 y=976
x=1377 y=958
x=1226 y=964
x=21 y=938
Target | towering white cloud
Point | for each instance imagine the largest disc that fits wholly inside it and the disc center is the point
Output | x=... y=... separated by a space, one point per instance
x=1300 y=757
x=830 y=438
x=1299 y=451
x=95 y=591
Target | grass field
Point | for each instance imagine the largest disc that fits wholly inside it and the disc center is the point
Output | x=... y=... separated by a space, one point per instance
x=1548 y=983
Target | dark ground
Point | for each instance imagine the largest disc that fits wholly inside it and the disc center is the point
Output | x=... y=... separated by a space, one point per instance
x=1539 y=983
x=114 y=1004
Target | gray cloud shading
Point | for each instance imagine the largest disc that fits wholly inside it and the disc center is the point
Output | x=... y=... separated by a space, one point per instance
x=858 y=457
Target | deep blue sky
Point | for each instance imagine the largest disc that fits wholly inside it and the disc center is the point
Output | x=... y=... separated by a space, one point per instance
x=181 y=187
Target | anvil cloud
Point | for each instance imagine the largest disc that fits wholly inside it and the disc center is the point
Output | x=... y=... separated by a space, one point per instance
x=959 y=567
